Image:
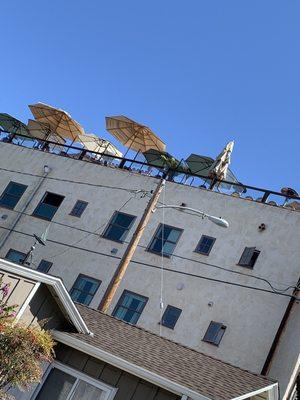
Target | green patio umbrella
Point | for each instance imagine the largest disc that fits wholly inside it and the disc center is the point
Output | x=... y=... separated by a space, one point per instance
x=162 y=159
x=12 y=125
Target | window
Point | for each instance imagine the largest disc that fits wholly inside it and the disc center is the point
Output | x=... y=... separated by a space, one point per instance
x=205 y=245
x=119 y=226
x=64 y=383
x=12 y=194
x=15 y=256
x=48 y=206
x=214 y=333
x=84 y=289
x=130 y=306
x=249 y=257
x=170 y=317
x=44 y=266
x=78 y=208
x=165 y=240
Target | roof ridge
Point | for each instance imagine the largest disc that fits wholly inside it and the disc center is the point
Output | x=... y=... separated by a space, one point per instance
x=173 y=341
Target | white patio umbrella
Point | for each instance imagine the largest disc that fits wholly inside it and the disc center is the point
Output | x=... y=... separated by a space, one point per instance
x=92 y=142
x=43 y=131
x=219 y=168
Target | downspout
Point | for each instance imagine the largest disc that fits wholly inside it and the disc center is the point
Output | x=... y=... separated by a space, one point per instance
x=280 y=330
x=47 y=170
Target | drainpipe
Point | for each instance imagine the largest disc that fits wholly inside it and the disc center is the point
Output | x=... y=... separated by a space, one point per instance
x=280 y=330
x=47 y=170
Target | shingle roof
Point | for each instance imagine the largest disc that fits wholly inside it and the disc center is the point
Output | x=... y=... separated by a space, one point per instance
x=201 y=373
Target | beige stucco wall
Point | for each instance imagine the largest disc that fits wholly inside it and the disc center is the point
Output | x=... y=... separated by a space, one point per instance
x=252 y=317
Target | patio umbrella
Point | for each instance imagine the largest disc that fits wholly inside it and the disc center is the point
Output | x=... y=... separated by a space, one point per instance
x=219 y=168
x=162 y=159
x=133 y=135
x=41 y=130
x=199 y=165
x=59 y=120
x=92 y=142
x=12 y=125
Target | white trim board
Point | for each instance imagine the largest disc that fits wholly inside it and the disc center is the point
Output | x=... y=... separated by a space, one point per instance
x=56 y=284
x=149 y=376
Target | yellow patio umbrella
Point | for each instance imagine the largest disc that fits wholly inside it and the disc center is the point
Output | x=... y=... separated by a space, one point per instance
x=41 y=130
x=59 y=120
x=92 y=142
x=133 y=135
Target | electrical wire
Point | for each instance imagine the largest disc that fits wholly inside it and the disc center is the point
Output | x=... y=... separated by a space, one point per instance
x=70 y=181
x=161 y=303
x=158 y=267
x=174 y=255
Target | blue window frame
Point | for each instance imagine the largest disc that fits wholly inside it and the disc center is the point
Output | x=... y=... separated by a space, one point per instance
x=170 y=316
x=78 y=208
x=165 y=240
x=84 y=289
x=15 y=256
x=44 y=266
x=214 y=333
x=12 y=194
x=119 y=226
x=48 y=206
x=205 y=245
x=130 y=306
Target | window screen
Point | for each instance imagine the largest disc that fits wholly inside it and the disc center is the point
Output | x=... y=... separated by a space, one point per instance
x=78 y=208
x=249 y=257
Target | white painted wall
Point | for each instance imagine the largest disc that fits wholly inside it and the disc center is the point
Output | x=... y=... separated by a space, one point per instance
x=252 y=317
x=286 y=362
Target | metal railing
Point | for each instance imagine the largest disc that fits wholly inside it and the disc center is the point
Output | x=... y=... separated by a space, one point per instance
x=140 y=166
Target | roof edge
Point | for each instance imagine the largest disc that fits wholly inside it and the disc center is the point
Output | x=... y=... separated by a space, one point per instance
x=56 y=284
x=127 y=366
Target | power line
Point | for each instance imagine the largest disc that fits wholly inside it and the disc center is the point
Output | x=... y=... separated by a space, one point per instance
x=89 y=233
x=136 y=191
x=158 y=267
x=76 y=182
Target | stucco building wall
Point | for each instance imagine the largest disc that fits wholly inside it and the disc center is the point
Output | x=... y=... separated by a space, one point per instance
x=251 y=316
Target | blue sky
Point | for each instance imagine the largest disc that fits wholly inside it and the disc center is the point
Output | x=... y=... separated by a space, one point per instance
x=199 y=73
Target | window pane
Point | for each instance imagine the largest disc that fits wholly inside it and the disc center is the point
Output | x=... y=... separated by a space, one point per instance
x=205 y=244
x=169 y=236
x=130 y=307
x=115 y=233
x=171 y=316
x=118 y=227
x=57 y=386
x=15 y=256
x=78 y=208
x=87 y=391
x=173 y=235
x=12 y=194
x=214 y=333
x=44 y=266
x=84 y=289
x=123 y=220
x=168 y=248
x=48 y=206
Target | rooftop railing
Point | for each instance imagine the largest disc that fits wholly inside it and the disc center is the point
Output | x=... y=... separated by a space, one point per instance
x=140 y=166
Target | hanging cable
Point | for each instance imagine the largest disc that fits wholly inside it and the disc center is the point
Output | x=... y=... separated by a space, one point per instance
x=161 y=303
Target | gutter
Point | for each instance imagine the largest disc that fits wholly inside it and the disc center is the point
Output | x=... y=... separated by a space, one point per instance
x=127 y=366
x=147 y=375
x=56 y=284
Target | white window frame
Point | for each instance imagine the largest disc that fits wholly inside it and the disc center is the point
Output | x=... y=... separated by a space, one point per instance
x=109 y=391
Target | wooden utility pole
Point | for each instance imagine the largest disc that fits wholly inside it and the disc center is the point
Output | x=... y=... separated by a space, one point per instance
x=129 y=252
